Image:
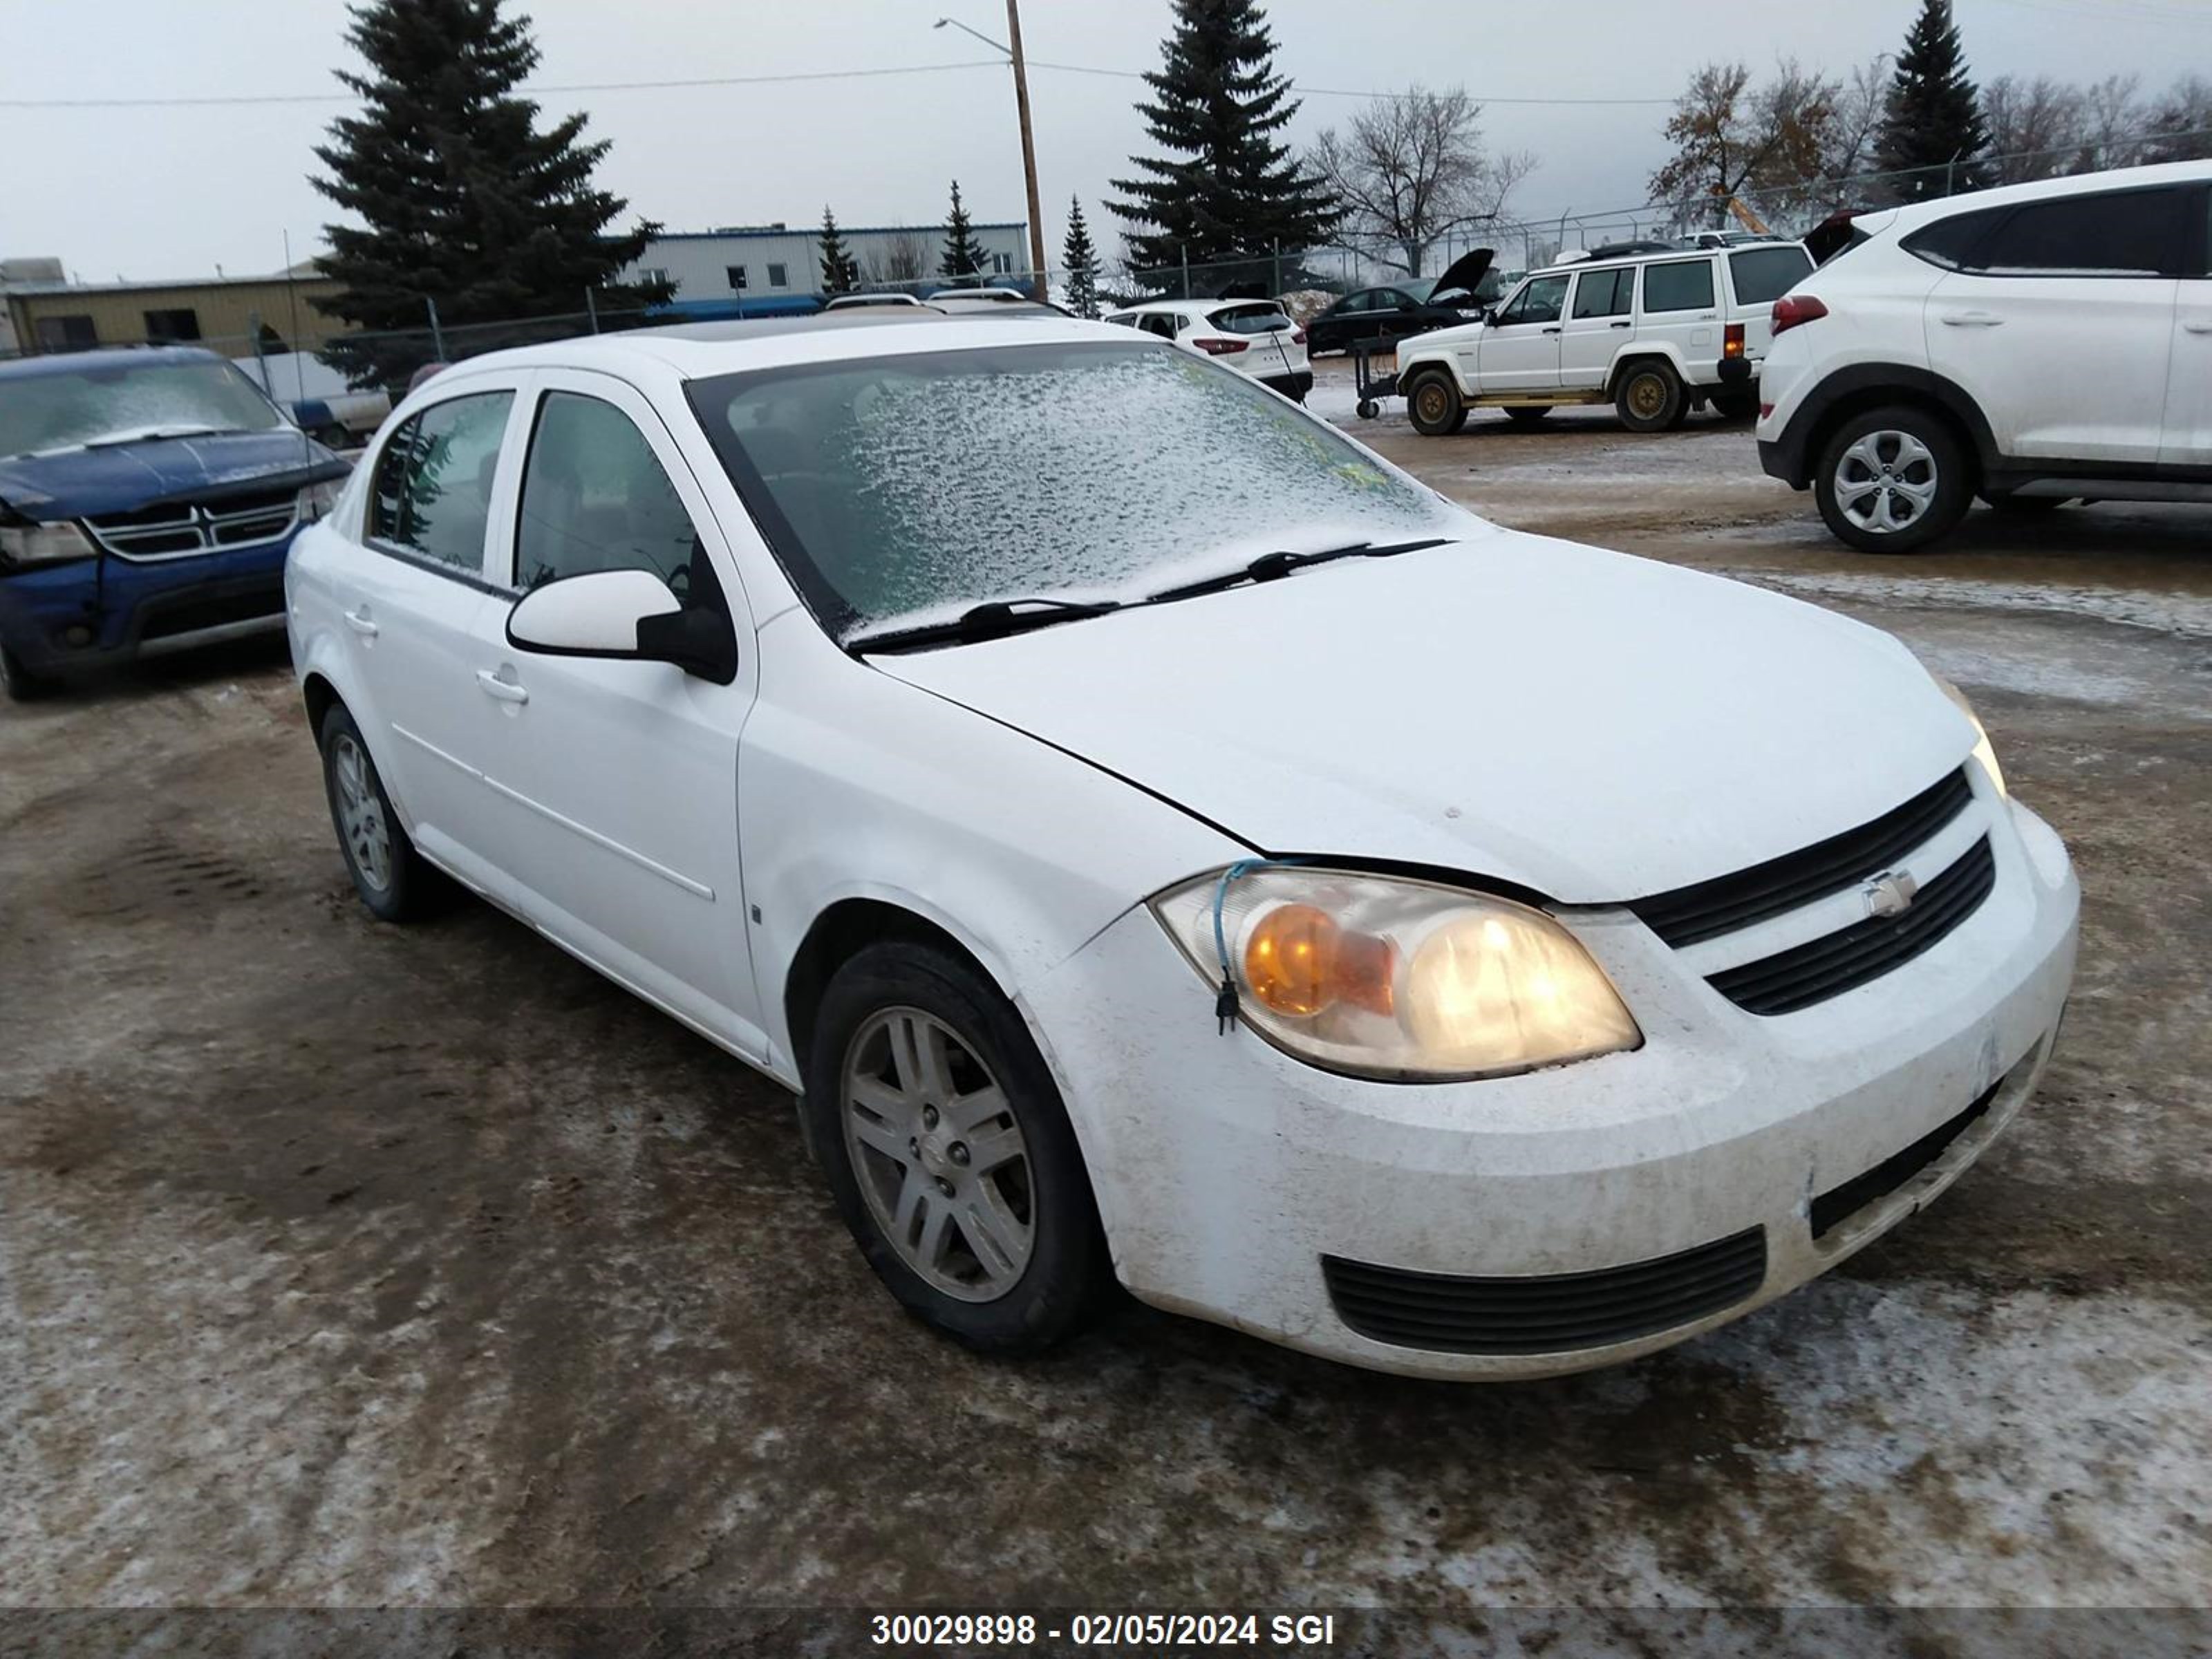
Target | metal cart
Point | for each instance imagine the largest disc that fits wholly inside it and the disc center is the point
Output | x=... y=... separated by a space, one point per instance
x=1374 y=374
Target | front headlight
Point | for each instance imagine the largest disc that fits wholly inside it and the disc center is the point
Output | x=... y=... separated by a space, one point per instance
x=1384 y=978
x=44 y=544
x=317 y=499
x=1982 y=751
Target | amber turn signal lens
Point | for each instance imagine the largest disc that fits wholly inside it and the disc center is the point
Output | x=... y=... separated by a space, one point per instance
x=1299 y=962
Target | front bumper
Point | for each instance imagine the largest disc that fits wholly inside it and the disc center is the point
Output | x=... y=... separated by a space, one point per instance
x=1228 y=1173
x=95 y=613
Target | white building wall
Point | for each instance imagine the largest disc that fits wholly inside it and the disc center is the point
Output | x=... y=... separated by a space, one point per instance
x=702 y=264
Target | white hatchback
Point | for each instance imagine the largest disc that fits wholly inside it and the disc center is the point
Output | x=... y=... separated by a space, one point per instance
x=1161 y=839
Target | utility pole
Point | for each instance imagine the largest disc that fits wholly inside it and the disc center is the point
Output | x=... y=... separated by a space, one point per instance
x=1021 y=109
x=1028 y=148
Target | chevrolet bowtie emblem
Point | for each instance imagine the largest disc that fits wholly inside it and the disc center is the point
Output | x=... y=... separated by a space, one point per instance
x=1890 y=893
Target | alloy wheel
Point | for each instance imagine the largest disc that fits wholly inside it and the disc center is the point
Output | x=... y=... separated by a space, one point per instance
x=939 y=1155
x=1886 y=481
x=361 y=821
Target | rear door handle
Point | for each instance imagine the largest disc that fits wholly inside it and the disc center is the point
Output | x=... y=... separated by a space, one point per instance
x=2200 y=326
x=1972 y=319
x=504 y=690
x=358 y=622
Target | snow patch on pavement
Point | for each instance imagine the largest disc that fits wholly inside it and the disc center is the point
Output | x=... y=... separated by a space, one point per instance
x=2181 y=614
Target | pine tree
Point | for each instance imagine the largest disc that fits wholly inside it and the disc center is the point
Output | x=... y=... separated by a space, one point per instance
x=1079 y=264
x=1932 y=129
x=463 y=201
x=840 y=271
x=963 y=254
x=1228 y=189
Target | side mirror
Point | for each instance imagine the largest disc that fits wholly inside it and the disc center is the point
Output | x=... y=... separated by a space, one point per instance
x=626 y=615
x=1489 y=316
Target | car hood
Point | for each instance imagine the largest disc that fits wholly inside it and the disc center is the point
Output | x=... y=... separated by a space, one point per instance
x=1466 y=271
x=1593 y=726
x=123 y=476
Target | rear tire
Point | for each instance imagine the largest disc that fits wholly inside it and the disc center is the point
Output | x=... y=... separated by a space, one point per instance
x=1434 y=404
x=1736 y=405
x=389 y=877
x=921 y=1071
x=1892 y=480
x=1527 y=414
x=1650 y=398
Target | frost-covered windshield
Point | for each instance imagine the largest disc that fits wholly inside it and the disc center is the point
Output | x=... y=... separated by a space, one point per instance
x=113 y=401
x=906 y=488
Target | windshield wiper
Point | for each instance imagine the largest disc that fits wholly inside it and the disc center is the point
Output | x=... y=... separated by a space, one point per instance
x=1269 y=567
x=152 y=433
x=992 y=620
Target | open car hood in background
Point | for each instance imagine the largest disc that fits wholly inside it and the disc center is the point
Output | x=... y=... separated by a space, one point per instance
x=1466 y=271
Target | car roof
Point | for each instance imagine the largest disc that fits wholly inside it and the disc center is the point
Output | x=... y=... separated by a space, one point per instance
x=696 y=350
x=70 y=362
x=1193 y=307
x=2078 y=184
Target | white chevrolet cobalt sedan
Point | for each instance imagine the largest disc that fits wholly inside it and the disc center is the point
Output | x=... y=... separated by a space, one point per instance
x=1159 y=838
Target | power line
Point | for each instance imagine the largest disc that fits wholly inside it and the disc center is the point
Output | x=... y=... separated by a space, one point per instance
x=252 y=99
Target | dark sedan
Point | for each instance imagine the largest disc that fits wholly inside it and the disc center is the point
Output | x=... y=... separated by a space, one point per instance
x=1398 y=309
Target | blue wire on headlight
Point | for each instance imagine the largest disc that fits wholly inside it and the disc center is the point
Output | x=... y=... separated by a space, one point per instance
x=1225 y=1004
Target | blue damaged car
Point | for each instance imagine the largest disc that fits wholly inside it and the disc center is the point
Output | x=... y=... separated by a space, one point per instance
x=148 y=497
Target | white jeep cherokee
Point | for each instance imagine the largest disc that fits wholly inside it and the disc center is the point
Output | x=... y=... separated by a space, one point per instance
x=1656 y=332
x=2031 y=345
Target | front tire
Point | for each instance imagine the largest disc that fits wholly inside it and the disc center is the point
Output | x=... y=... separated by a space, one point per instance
x=389 y=877
x=1892 y=480
x=1650 y=398
x=949 y=1154
x=18 y=684
x=1434 y=405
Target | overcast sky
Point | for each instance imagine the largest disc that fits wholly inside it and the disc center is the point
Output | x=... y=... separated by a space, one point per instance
x=164 y=192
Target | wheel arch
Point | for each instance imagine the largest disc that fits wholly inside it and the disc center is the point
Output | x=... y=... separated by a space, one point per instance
x=1634 y=356
x=1854 y=390
x=321 y=696
x=840 y=931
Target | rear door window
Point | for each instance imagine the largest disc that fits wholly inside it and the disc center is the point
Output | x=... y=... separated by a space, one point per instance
x=433 y=487
x=1605 y=293
x=1761 y=275
x=2134 y=233
x=1685 y=285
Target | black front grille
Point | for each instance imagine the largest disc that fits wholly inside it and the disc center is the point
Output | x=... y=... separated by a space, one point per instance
x=1546 y=1313
x=1709 y=909
x=1839 y=962
x=1838 y=1204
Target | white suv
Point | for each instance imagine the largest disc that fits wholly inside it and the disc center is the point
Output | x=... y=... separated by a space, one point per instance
x=2031 y=345
x=1255 y=338
x=1656 y=333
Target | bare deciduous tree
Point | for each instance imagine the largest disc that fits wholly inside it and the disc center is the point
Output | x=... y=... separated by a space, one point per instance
x=1411 y=170
x=2181 y=128
x=904 y=259
x=2035 y=127
x=1735 y=141
x=1856 y=122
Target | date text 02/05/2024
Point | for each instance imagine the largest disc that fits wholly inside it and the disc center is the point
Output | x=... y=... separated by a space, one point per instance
x=1281 y=1631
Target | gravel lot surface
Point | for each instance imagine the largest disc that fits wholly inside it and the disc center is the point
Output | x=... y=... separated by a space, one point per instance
x=347 y=1264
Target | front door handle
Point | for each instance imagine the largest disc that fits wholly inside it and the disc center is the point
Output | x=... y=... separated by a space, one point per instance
x=1554 y=329
x=360 y=623
x=499 y=686
x=1971 y=319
